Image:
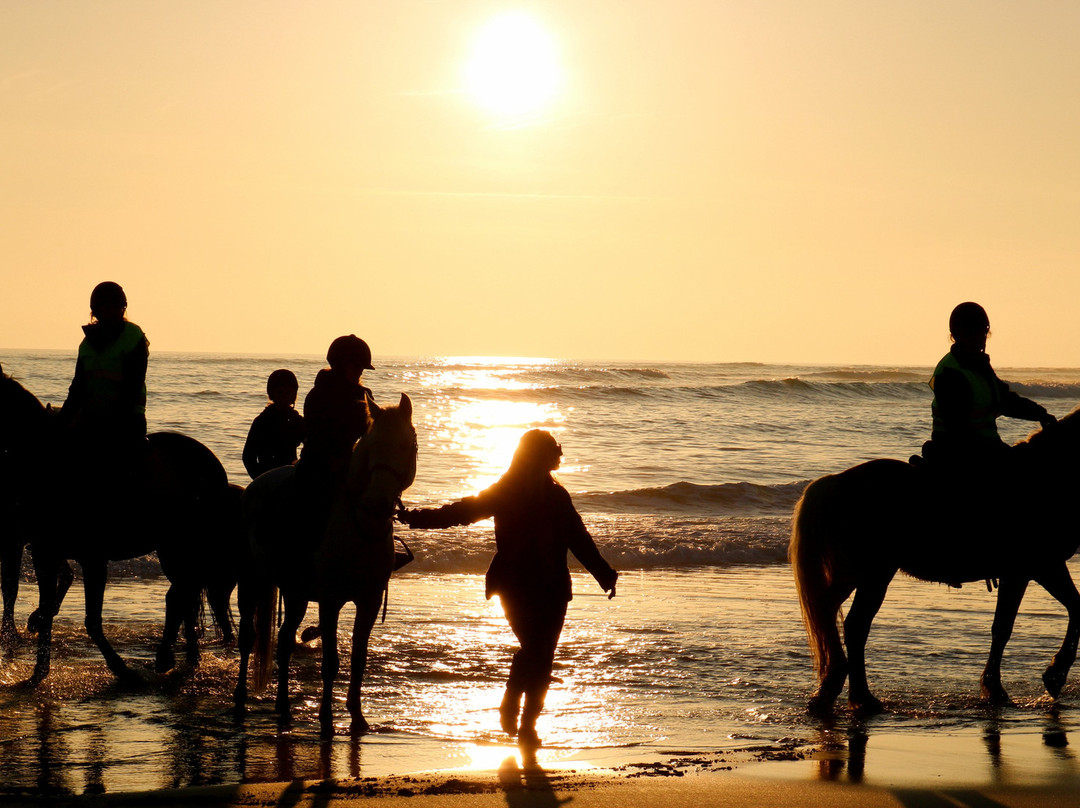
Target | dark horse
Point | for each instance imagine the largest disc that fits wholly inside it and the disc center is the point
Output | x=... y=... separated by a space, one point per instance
x=20 y=436
x=853 y=531
x=182 y=507
x=350 y=560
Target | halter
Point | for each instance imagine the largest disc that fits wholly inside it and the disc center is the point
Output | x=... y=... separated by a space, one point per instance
x=397 y=475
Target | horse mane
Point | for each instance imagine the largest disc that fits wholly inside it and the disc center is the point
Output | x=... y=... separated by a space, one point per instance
x=1048 y=443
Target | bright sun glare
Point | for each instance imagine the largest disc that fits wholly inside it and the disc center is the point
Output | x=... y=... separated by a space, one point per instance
x=513 y=68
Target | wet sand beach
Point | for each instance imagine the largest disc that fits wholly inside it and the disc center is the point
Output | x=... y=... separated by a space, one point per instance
x=763 y=777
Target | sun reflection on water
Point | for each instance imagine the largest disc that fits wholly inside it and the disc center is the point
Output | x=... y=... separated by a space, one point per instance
x=476 y=432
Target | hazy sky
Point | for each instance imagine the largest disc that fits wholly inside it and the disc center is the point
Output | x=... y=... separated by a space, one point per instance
x=770 y=180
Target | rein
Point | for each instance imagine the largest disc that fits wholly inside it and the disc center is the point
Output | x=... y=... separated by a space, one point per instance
x=402 y=484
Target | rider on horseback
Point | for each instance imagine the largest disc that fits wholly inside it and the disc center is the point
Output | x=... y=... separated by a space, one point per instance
x=277 y=430
x=336 y=416
x=336 y=412
x=106 y=403
x=969 y=397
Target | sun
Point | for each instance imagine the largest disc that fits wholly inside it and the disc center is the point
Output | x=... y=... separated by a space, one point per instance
x=513 y=67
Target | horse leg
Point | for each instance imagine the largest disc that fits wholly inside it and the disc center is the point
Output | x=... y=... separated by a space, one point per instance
x=95 y=574
x=1010 y=594
x=166 y=660
x=62 y=581
x=1059 y=583
x=836 y=670
x=864 y=607
x=190 y=604
x=295 y=609
x=217 y=597
x=331 y=662
x=180 y=608
x=10 y=570
x=46 y=568
x=366 y=614
x=245 y=603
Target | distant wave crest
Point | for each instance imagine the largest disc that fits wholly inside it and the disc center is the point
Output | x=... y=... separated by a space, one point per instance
x=1041 y=390
x=690 y=498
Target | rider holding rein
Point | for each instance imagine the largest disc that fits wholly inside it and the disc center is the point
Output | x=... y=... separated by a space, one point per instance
x=106 y=402
x=969 y=397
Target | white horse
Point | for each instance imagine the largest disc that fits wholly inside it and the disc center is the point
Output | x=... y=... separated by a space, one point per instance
x=350 y=561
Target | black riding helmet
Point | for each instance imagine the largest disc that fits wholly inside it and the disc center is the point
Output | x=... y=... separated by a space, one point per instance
x=968 y=318
x=348 y=349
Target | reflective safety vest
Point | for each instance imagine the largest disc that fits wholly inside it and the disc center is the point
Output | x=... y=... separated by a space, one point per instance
x=985 y=396
x=105 y=371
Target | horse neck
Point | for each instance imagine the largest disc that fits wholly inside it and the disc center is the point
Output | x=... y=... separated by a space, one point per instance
x=27 y=418
x=377 y=466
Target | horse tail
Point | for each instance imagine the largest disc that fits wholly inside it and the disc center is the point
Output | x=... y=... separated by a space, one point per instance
x=265 y=625
x=812 y=561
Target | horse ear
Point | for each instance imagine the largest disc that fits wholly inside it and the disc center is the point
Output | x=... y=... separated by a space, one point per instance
x=374 y=410
x=405 y=405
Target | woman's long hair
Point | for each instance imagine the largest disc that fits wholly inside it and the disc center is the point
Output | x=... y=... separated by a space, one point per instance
x=531 y=467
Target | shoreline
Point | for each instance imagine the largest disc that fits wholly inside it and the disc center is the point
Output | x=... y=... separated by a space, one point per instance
x=773 y=775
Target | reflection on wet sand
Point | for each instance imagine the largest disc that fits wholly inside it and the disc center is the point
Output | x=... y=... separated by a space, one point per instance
x=844 y=744
x=68 y=741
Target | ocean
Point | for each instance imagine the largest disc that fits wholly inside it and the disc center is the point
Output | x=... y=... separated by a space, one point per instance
x=685 y=474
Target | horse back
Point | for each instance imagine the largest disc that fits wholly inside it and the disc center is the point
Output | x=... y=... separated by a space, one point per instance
x=855 y=520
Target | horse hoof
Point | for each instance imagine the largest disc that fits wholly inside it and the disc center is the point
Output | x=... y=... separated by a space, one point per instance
x=326 y=724
x=1054 y=681
x=128 y=677
x=33 y=622
x=310 y=634
x=165 y=661
x=867 y=705
x=995 y=694
x=820 y=705
x=359 y=726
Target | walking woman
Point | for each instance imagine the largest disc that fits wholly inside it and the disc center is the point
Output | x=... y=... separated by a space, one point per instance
x=535 y=524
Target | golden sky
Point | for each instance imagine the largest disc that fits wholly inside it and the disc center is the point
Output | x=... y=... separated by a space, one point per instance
x=763 y=180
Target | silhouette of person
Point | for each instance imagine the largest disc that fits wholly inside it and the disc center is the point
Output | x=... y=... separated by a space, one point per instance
x=336 y=416
x=336 y=413
x=535 y=524
x=277 y=430
x=969 y=397
x=106 y=402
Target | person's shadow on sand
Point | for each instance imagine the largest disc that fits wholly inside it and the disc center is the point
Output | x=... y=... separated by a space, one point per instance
x=528 y=787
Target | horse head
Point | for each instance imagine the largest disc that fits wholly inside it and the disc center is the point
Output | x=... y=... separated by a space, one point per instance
x=384 y=462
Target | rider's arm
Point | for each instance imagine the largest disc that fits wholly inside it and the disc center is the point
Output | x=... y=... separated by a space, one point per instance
x=1016 y=406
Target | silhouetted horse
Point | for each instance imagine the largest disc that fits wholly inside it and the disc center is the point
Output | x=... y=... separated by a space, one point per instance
x=180 y=505
x=19 y=439
x=853 y=531
x=349 y=560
